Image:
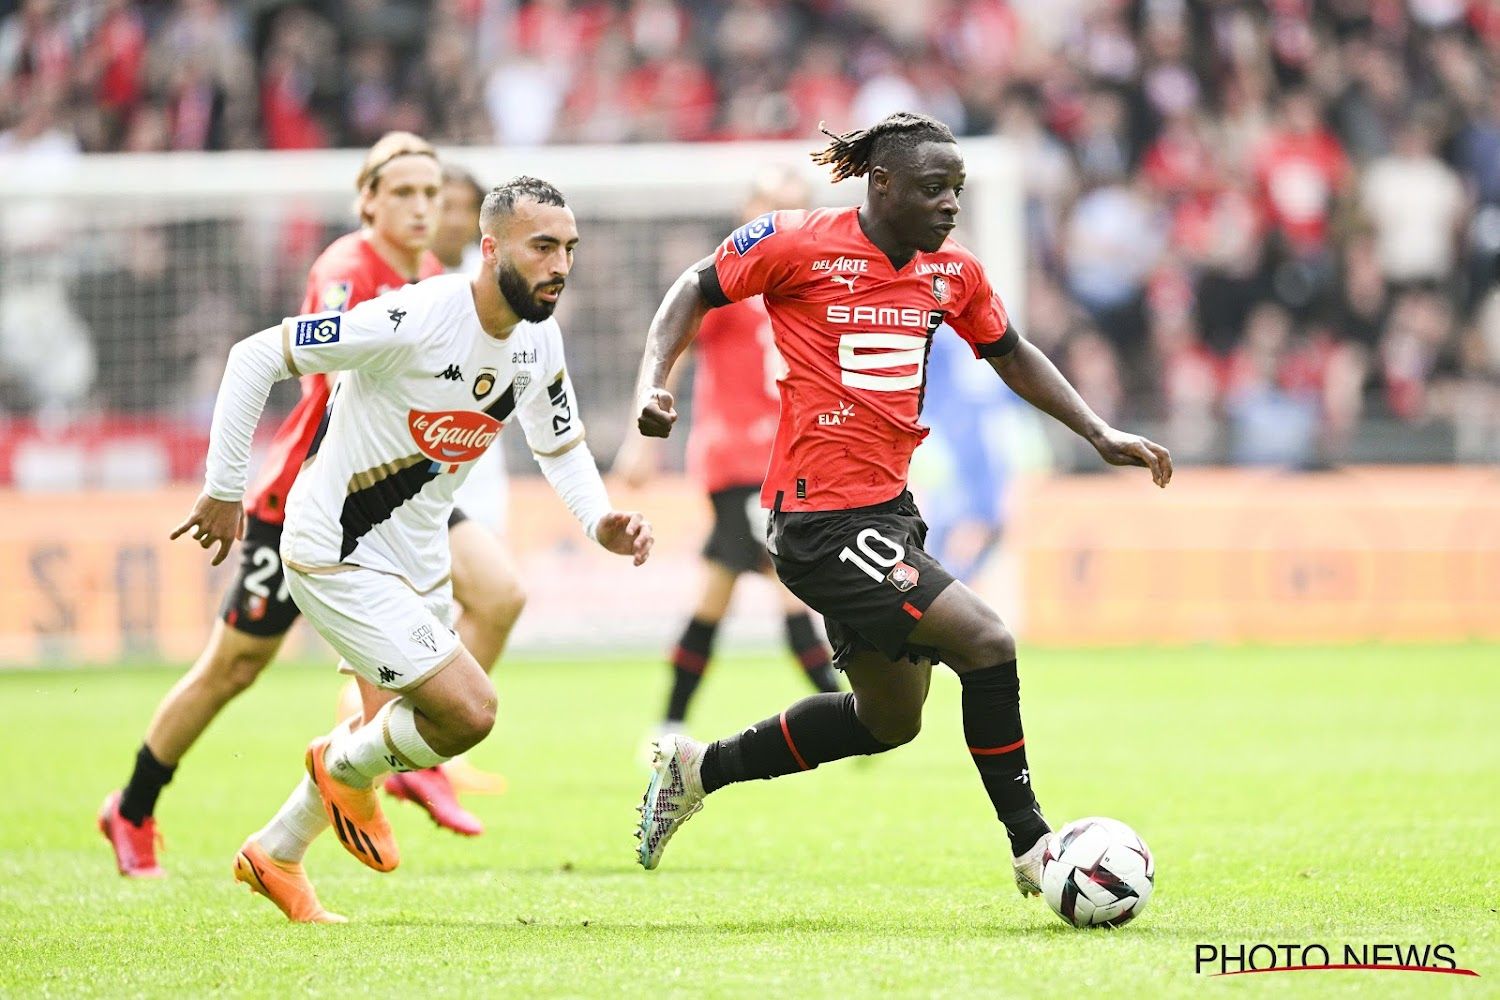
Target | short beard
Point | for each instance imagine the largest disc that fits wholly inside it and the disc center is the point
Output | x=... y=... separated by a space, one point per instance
x=521 y=297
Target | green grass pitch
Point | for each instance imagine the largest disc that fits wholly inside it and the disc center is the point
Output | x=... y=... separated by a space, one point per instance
x=1332 y=795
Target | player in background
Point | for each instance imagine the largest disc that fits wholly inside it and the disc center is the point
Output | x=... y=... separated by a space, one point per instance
x=735 y=407
x=431 y=373
x=398 y=201
x=855 y=296
x=457 y=241
x=964 y=469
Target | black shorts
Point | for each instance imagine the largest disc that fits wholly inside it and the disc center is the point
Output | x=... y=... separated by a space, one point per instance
x=456 y=517
x=864 y=570
x=737 y=541
x=258 y=602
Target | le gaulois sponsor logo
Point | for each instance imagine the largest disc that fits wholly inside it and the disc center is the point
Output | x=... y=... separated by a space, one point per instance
x=452 y=435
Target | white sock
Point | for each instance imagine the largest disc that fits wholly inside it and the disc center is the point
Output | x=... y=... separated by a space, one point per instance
x=388 y=742
x=296 y=825
x=402 y=738
x=358 y=757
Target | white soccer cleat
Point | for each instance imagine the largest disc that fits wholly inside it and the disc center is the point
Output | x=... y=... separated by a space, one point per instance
x=654 y=736
x=673 y=796
x=1029 y=866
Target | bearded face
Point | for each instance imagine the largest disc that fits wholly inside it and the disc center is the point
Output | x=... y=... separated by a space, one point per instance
x=531 y=302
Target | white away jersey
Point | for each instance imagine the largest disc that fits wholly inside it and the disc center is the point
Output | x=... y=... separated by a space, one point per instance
x=424 y=392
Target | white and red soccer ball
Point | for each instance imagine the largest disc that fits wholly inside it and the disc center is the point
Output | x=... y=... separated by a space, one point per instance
x=1097 y=872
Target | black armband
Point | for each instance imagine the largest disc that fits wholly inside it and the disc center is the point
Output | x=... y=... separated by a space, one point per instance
x=1009 y=341
x=710 y=289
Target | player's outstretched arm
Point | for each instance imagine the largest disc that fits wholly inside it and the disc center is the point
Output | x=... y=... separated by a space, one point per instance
x=1033 y=377
x=672 y=329
x=625 y=533
x=255 y=364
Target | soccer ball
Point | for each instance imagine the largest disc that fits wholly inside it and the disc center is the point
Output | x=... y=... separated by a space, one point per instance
x=1097 y=872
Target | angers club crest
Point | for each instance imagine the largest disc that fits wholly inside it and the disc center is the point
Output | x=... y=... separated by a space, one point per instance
x=903 y=577
x=484 y=383
x=940 y=288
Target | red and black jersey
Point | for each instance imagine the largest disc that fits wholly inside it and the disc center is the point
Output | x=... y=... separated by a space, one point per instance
x=735 y=397
x=347 y=273
x=854 y=332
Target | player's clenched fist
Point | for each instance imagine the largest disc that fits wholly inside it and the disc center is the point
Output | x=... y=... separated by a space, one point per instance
x=212 y=521
x=657 y=413
x=626 y=533
x=1120 y=448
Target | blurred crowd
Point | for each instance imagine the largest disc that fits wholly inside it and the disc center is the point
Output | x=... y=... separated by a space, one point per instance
x=1273 y=226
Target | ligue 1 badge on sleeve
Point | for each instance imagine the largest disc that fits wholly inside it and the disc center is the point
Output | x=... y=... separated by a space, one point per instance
x=317 y=332
x=336 y=295
x=484 y=382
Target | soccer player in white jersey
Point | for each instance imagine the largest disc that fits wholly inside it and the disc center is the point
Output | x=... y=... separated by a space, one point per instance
x=432 y=372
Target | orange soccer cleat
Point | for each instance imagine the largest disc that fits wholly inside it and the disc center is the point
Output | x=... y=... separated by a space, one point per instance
x=135 y=846
x=355 y=814
x=282 y=883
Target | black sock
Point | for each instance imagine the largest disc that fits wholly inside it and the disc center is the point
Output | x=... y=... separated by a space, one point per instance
x=138 y=801
x=992 y=726
x=814 y=731
x=812 y=652
x=689 y=660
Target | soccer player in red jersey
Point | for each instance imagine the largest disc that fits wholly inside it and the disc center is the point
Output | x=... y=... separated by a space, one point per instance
x=854 y=297
x=398 y=203
x=735 y=407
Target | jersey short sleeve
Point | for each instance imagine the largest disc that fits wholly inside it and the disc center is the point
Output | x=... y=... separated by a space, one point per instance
x=548 y=409
x=983 y=321
x=759 y=256
x=375 y=337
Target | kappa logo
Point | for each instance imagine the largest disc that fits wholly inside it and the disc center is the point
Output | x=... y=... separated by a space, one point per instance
x=396 y=315
x=752 y=232
x=387 y=674
x=841 y=414
x=317 y=332
x=842 y=279
x=484 y=382
x=1024 y=777
x=452 y=373
x=903 y=577
x=422 y=636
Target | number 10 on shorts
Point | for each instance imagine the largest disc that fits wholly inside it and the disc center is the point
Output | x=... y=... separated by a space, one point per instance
x=867 y=558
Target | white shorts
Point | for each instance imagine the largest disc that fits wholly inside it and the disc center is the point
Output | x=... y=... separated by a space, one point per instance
x=386 y=632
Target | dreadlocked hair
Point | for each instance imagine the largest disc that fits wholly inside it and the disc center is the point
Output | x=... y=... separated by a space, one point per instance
x=853 y=153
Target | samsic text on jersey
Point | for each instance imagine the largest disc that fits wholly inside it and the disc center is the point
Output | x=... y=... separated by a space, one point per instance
x=854 y=333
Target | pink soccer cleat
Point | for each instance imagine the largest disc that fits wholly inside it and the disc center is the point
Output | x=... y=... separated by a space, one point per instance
x=431 y=789
x=135 y=846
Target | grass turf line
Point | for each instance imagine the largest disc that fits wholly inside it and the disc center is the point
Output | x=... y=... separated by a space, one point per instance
x=1347 y=795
